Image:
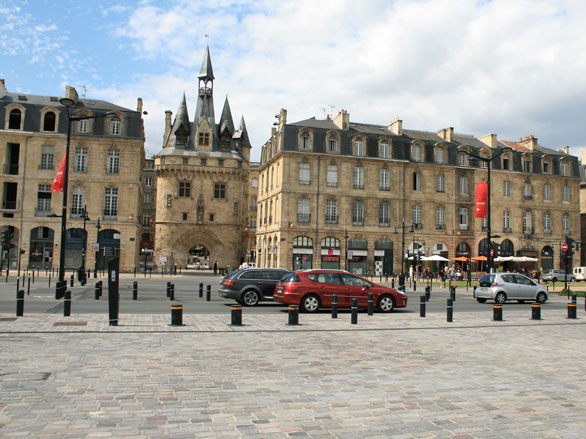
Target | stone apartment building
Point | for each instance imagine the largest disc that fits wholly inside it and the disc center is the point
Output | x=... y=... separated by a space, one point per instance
x=356 y=196
x=203 y=183
x=105 y=170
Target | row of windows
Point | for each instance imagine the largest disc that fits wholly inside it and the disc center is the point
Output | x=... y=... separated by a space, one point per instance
x=78 y=201
x=49 y=123
x=80 y=160
x=184 y=190
x=417 y=154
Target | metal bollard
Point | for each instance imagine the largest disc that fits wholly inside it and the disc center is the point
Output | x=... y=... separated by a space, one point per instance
x=335 y=306
x=200 y=290
x=536 y=311
x=571 y=310
x=370 y=303
x=67 y=304
x=20 y=303
x=497 y=313
x=236 y=319
x=293 y=315
x=414 y=285
x=208 y=293
x=393 y=283
x=34 y=274
x=177 y=315
x=450 y=311
x=72 y=278
x=172 y=292
x=421 y=306
x=97 y=291
x=427 y=293
x=135 y=290
x=168 y=289
x=28 y=288
x=354 y=318
x=101 y=287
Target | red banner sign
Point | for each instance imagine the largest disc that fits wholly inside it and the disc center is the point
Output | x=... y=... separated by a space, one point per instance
x=59 y=180
x=481 y=199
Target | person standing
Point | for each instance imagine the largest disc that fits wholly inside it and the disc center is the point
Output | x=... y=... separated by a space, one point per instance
x=215 y=267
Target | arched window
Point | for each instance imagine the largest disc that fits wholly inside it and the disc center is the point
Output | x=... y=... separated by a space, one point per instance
x=332 y=144
x=15 y=119
x=49 y=121
x=305 y=141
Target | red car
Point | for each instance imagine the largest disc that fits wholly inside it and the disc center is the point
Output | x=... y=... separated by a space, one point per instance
x=313 y=289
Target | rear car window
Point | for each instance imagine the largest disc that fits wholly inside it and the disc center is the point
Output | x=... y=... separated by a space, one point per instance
x=291 y=277
x=486 y=280
x=233 y=275
x=252 y=274
x=509 y=278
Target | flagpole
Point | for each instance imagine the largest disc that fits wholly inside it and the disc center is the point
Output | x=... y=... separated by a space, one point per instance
x=67 y=102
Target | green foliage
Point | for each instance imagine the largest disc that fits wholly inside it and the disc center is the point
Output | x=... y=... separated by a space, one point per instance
x=568 y=292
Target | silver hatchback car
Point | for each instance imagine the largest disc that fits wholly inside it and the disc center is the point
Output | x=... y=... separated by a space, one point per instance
x=501 y=287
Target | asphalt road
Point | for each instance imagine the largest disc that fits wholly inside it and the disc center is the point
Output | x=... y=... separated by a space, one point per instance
x=152 y=298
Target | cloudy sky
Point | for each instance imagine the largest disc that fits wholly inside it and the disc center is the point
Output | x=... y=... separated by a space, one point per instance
x=510 y=67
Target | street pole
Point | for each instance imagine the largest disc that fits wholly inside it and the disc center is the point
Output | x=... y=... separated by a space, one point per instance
x=97 y=251
x=346 y=250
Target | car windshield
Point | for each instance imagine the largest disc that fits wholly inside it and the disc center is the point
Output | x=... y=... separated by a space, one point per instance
x=291 y=277
x=486 y=280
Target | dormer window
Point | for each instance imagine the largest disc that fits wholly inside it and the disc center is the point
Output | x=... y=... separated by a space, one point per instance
x=506 y=163
x=83 y=126
x=463 y=159
x=416 y=153
x=305 y=141
x=546 y=167
x=359 y=148
x=564 y=167
x=204 y=139
x=440 y=155
x=332 y=144
x=49 y=121
x=484 y=163
x=15 y=119
x=385 y=150
x=526 y=165
x=115 y=126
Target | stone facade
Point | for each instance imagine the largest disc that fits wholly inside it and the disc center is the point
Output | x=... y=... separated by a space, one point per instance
x=105 y=164
x=333 y=191
x=202 y=183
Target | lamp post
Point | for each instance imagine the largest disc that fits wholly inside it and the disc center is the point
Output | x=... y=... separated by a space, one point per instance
x=346 y=250
x=488 y=161
x=68 y=102
x=98 y=227
x=403 y=227
x=83 y=252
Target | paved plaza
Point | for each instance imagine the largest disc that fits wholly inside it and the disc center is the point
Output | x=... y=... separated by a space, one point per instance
x=390 y=376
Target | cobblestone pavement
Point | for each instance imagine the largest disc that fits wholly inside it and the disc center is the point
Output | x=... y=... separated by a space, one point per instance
x=390 y=376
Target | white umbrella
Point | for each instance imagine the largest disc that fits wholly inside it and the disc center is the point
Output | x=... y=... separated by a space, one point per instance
x=435 y=258
x=524 y=259
x=503 y=258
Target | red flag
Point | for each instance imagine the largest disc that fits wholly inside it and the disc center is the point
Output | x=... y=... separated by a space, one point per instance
x=481 y=199
x=59 y=179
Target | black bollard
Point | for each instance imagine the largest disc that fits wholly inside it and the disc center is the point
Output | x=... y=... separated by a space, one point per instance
x=72 y=278
x=293 y=315
x=97 y=291
x=450 y=311
x=28 y=288
x=135 y=290
x=497 y=313
x=453 y=293
x=414 y=285
x=236 y=317
x=571 y=310
x=134 y=271
x=335 y=306
x=370 y=303
x=49 y=280
x=168 y=289
x=354 y=318
x=427 y=293
x=421 y=306
x=18 y=282
x=177 y=315
x=67 y=304
x=101 y=287
x=172 y=294
x=200 y=290
x=208 y=293
x=536 y=311
x=34 y=275
x=393 y=283
x=20 y=303
x=95 y=274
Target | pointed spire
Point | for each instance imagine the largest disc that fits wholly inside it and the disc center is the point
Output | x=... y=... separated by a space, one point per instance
x=244 y=133
x=206 y=72
x=180 y=130
x=226 y=122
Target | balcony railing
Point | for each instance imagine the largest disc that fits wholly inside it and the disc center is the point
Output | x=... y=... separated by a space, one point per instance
x=331 y=220
x=384 y=224
x=528 y=196
x=11 y=169
x=440 y=226
x=463 y=226
x=303 y=217
x=418 y=226
x=10 y=205
x=358 y=186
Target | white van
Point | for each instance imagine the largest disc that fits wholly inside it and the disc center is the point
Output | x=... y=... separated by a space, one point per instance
x=580 y=273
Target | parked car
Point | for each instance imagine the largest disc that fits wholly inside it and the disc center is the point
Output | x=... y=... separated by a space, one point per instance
x=557 y=276
x=313 y=289
x=249 y=286
x=501 y=287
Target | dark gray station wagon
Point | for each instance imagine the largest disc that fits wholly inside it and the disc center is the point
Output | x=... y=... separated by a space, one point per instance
x=249 y=286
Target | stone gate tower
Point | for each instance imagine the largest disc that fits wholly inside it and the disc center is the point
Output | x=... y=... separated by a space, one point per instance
x=202 y=182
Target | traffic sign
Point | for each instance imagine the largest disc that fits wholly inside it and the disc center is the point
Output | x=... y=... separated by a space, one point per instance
x=565 y=247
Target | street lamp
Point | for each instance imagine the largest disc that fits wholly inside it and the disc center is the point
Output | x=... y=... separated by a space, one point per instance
x=98 y=227
x=83 y=252
x=346 y=249
x=488 y=161
x=68 y=102
x=403 y=227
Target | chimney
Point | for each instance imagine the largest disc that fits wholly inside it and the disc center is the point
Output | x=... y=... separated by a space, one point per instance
x=71 y=93
x=168 y=115
x=342 y=120
x=396 y=126
x=3 y=91
x=139 y=105
x=529 y=142
x=564 y=150
x=490 y=140
x=447 y=134
x=282 y=118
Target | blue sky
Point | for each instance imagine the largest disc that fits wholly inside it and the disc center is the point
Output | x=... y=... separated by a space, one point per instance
x=510 y=67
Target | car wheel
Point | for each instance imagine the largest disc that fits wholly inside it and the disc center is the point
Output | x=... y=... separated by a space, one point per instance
x=500 y=298
x=386 y=303
x=310 y=303
x=541 y=298
x=250 y=298
x=480 y=300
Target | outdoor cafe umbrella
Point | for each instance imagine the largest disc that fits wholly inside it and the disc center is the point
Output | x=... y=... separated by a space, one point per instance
x=437 y=258
x=461 y=259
